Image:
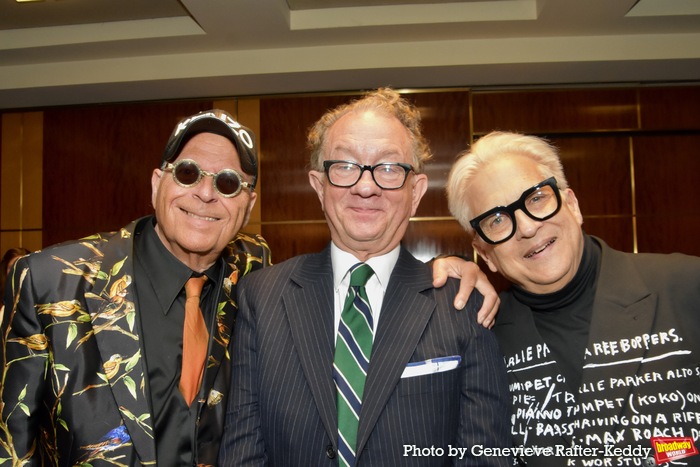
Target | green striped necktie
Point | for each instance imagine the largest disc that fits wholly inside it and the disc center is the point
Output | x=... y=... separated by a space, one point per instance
x=352 y=351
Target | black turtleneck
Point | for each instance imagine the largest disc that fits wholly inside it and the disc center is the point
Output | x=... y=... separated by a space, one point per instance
x=563 y=317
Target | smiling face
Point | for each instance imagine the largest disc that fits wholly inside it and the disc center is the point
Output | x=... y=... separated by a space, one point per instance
x=542 y=256
x=364 y=219
x=195 y=223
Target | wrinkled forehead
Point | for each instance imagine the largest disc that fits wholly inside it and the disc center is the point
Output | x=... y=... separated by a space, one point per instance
x=369 y=133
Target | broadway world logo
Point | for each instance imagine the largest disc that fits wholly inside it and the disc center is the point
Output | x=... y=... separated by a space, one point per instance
x=671 y=449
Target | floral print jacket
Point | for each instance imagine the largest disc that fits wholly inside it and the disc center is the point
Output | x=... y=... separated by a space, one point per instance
x=73 y=389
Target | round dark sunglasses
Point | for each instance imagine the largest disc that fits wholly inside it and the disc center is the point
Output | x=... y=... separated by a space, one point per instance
x=186 y=173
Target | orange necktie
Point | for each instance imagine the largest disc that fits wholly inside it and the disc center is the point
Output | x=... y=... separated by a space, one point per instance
x=195 y=340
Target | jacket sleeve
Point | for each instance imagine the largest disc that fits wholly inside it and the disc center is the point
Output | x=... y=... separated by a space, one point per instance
x=25 y=354
x=484 y=400
x=242 y=442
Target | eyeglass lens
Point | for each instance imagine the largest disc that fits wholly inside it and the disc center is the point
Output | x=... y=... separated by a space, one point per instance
x=387 y=175
x=539 y=205
x=188 y=174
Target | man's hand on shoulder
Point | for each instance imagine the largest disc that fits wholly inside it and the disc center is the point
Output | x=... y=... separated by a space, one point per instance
x=470 y=276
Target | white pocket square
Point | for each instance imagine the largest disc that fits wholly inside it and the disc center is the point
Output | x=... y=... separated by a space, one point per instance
x=434 y=365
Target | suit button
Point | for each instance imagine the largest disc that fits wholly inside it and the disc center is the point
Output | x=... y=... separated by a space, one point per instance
x=330 y=452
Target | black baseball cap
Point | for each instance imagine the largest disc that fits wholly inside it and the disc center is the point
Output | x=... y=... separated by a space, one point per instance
x=221 y=123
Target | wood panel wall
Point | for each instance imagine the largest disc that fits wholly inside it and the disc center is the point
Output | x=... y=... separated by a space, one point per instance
x=21 y=178
x=616 y=145
x=629 y=153
x=292 y=221
x=98 y=163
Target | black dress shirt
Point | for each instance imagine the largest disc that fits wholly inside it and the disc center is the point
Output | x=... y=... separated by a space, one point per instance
x=160 y=279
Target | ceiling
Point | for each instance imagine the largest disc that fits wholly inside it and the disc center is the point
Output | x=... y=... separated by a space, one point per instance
x=57 y=52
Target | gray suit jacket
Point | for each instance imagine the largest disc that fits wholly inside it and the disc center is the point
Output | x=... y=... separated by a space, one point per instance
x=283 y=407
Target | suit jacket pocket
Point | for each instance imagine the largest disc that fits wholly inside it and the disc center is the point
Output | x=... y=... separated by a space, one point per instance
x=445 y=382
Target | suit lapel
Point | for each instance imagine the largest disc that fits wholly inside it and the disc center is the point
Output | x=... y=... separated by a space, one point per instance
x=308 y=303
x=243 y=255
x=221 y=330
x=632 y=308
x=112 y=308
x=404 y=316
x=517 y=336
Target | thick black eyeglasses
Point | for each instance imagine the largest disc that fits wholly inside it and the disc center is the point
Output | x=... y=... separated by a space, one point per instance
x=387 y=175
x=540 y=202
x=228 y=182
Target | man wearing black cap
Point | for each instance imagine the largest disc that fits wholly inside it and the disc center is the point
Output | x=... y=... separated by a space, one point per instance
x=92 y=340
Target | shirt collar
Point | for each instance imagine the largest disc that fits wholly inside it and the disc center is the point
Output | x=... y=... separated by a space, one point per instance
x=381 y=265
x=167 y=273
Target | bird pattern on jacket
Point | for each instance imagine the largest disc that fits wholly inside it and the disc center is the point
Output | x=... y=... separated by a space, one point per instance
x=74 y=382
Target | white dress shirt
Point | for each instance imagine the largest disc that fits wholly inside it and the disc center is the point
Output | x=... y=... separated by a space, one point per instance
x=376 y=285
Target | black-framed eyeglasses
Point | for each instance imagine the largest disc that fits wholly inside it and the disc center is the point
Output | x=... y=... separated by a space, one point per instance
x=186 y=173
x=540 y=202
x=387 y=175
